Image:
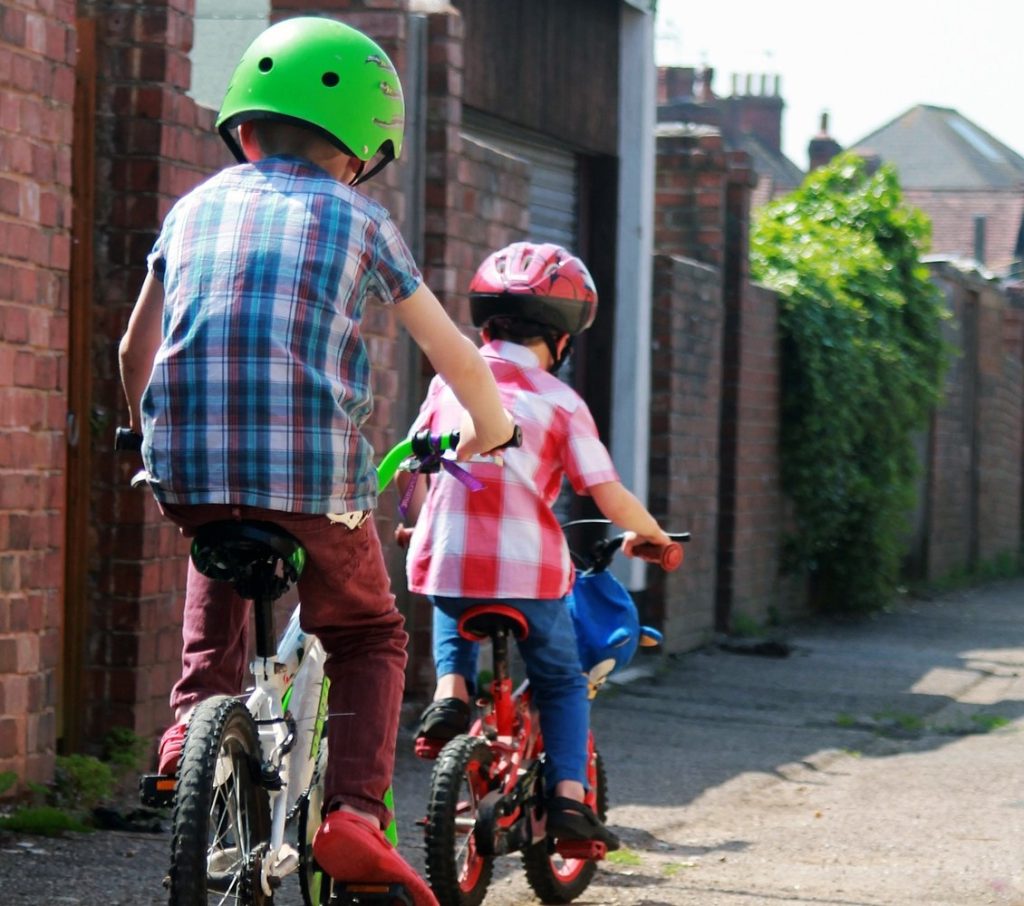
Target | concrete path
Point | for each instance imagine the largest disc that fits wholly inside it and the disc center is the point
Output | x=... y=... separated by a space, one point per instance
x=881 y=763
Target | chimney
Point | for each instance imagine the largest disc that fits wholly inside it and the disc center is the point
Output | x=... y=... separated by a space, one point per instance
x=675 y=83
x=755 y=113
x=822 y=148
x=706 y=94
x=979 y=238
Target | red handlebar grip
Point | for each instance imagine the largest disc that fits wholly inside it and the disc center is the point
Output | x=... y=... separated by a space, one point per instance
x=669 y=557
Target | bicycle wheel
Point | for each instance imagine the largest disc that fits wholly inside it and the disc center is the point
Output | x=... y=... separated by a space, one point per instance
x=558 y=880
x=458 y=874
x=221 y=817
x=313 y=882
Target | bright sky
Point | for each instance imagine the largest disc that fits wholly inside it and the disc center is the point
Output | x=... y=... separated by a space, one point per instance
x=865 y=62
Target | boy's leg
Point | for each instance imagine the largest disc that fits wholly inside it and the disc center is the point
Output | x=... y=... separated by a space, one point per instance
x=559 y=688
x=453 y=655
x=455 y=665
x=346 y=601
x=560 y=693
x=215 y=636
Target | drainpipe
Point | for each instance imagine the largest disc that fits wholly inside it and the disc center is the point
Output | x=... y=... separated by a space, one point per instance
x=631 y=374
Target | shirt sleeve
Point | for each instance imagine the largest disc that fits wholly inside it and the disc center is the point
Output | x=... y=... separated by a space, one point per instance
x=394 y=275
x=587 y=460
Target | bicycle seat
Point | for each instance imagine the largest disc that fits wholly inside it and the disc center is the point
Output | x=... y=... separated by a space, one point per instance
x=259 y=559
x=484 y=620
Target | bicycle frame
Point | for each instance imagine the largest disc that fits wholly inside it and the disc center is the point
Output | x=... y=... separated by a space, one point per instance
x=289 y=704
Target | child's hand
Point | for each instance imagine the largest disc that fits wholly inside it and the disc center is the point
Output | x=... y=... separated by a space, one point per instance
x=632 y=539
x=403 y=535
x=494 y=435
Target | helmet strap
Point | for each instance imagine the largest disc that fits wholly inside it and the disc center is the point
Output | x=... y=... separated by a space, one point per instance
x=558 y=359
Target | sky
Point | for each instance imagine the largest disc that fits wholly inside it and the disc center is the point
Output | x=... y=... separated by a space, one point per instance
x=865 y=62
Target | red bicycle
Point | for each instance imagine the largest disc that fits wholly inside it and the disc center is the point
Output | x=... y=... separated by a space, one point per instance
x=486 y=790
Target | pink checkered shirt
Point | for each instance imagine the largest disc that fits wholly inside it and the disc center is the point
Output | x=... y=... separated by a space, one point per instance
x=504 y=542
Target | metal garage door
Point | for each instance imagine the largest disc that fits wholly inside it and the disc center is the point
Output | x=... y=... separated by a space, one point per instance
x=554 y=179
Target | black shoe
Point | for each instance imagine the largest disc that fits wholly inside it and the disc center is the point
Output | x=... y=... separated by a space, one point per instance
x=443 y=720
x=571 y=820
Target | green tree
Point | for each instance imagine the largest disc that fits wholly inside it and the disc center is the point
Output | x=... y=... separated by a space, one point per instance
x=862 y=365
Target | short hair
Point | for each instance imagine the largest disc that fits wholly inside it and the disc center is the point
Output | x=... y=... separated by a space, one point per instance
x=520 y=330
x=282 y=137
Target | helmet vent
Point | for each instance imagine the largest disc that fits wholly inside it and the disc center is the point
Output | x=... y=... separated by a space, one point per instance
x=266 y=64
x=330 y=79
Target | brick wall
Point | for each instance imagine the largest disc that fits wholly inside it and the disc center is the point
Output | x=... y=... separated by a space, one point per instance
x=758 y=589
x=37 y=47
x=973 y=453
x=690 y=185
x=152 y=144
x=703 y=212
x=475 y=202
x=686 y=372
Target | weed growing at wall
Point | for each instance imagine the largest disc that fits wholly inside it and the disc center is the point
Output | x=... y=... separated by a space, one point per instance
x=862 y=362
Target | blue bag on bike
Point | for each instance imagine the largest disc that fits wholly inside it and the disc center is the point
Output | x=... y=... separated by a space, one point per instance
x=607 y=625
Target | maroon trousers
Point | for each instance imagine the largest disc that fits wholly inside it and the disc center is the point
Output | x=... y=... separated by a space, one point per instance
x=346 y=601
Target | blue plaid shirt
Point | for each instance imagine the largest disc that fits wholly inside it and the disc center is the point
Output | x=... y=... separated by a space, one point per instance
x=262 y=379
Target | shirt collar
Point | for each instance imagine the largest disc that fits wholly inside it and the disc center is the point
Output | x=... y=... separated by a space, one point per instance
x=510 y=352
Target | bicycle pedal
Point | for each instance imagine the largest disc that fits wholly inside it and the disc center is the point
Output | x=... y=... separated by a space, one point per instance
x=592 y=850
x=428 y=749
x=355 y=894
x=157 y=790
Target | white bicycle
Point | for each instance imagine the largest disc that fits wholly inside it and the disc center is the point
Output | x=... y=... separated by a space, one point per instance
x=248 y=794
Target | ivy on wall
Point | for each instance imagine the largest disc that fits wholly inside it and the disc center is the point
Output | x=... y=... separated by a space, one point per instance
x=862 y=365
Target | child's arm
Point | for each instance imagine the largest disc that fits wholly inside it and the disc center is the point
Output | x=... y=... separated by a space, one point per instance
x=138 y=347
x=457 y=360
x=622 y=507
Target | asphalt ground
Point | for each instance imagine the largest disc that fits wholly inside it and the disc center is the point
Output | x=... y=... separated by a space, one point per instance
x=877 y=762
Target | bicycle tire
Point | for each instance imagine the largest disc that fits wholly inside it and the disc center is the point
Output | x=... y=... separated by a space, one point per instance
x=457 y=873
x=313 y=882
x=557 y=880
x=221 y=820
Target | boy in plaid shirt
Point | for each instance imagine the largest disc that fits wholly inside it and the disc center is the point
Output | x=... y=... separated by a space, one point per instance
x=245 y=371
x=503 y=542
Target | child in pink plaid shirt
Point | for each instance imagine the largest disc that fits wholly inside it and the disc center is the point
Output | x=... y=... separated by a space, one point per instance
x=504 y=542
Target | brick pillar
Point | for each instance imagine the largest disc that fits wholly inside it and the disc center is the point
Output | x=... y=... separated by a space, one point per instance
x=153 y=143
x=37 y=47
x=690 y=184
x=686 y=371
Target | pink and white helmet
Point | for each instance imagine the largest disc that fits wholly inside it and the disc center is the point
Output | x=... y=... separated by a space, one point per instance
x=540 y=283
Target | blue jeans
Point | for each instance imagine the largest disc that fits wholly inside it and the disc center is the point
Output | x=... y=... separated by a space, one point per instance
x=552 y=665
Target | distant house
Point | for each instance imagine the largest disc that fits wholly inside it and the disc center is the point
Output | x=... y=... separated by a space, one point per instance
x=969 y=183
x=750 y=120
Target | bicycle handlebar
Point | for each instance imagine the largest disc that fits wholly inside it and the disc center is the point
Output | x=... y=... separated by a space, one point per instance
x=669 y=557
x=424 y=445
x=421 y=445
x=126 y=439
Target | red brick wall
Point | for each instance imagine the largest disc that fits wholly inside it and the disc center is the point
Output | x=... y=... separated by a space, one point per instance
x=475 y=200
x=686 y=365
x=703 y=212
x=153 y=143
x=972 y=507
x=37 y=46
x=759 y=590
x=690 y=185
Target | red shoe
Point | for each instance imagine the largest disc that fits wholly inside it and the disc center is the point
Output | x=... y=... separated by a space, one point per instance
x=351 y=851
x=171 y=744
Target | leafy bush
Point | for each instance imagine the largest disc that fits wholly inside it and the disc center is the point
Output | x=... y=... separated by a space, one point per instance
x=862 y=364
x=81 y=782
x=124 y=750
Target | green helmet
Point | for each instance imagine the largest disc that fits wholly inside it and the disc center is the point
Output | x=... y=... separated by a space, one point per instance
x=322 y=74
